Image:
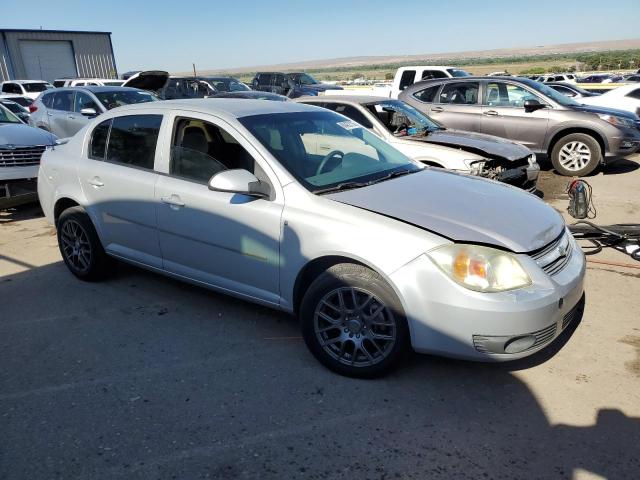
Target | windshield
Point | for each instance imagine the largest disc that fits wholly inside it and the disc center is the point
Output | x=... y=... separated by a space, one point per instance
x=323 y=149
x=36 y=87
x=553 y=94
x=456 y=72
x=118 y=98
x=303 y=79
x=402 y=119
x=7 y=117
x=227 y=85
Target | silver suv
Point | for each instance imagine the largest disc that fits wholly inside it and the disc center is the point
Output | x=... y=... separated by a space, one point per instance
x=576 y=137
x=64 y=111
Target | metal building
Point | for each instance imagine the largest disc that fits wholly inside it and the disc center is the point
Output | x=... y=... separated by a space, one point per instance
x=51 y=54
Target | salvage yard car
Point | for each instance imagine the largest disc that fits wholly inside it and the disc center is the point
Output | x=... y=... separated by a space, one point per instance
x=626 y=98
x=422 y=139
x=27 y=88
x=292 y=85
x=21 y=147
x=64 y=111
x=374 y=252
x=576 y=137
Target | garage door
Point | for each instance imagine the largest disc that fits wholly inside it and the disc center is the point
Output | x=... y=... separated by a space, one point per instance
x=48 y=59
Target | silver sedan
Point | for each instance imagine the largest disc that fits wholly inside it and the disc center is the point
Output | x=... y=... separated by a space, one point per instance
x=301 y=209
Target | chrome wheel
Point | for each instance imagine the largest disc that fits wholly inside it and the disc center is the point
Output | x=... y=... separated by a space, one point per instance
x=574 y=156
x=75 y=245
x=354 y=327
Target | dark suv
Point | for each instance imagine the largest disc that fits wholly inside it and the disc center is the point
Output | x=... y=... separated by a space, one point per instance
x=576 y=137
x=293 y=85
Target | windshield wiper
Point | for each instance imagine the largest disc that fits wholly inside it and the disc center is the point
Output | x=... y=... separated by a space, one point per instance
x=397 y=173
x=342 y=186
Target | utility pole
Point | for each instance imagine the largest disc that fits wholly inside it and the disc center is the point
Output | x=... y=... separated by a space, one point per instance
x=194 y=69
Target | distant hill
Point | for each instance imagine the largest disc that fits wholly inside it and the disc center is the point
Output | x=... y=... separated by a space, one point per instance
x=434 y=58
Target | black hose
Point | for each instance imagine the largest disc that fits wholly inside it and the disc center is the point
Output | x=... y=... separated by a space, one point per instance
x=620 y=237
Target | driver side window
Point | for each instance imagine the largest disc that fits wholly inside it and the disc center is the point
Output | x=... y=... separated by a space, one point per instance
x=200 y=149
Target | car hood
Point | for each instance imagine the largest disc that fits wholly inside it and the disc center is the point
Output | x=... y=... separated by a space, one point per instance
x=603 y=110
x=21 y=135
x=482 y=144
x=152 y=80
x=461 y=208
x=319 y=87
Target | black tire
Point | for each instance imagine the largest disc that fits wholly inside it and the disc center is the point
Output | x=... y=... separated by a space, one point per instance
x=90 y=266
x=588 y=141
x=372 y=293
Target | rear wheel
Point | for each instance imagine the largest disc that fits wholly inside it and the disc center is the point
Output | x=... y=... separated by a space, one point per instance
x=80 y=246
x=577 y=154
x=353 y=323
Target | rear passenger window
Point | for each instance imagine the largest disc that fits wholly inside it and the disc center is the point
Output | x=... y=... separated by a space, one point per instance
x=63 y=101
x=264 y=80
x=464 y=93
x=98 y=143
x=47 y=100
x=133 y=140
x=427 y=95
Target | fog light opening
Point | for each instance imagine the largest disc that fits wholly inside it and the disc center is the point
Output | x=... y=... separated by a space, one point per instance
x=519 y=344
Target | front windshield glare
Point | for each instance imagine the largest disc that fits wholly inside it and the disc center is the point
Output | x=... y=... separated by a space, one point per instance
x=323 y=149
x=402 y=119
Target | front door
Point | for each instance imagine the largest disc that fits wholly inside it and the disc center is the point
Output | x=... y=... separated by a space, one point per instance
x=118 y=179
x=75 y=119
x=503 y=114
x=225 y=240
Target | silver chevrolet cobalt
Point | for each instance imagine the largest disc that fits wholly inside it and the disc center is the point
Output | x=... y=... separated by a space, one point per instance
x=301 y=209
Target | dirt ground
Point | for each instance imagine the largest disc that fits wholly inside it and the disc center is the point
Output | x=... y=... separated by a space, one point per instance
x=144 y=377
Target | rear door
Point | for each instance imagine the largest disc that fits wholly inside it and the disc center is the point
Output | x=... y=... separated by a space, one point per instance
x=457 y=105
x=503 y=114
x=118 y=178
x=59 y=112
x=264 y=82
x=278 y=84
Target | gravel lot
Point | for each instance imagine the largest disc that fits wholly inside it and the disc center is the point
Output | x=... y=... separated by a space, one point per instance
x=144 y=377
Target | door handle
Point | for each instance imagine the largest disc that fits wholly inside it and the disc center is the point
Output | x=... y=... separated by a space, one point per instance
x=491 y=113
x=96 y=182
x=50 y=114
x=437 y=109
x=71 y=117
x=173 y=201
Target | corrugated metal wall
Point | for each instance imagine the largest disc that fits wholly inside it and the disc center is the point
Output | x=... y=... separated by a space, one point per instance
x=92 y=51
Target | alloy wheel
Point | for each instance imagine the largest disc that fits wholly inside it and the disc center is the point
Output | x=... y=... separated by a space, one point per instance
x=75 y=245
x=574 y=156
x=354 y=327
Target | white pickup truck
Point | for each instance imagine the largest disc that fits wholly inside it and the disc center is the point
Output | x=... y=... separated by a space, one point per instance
x=405 y=77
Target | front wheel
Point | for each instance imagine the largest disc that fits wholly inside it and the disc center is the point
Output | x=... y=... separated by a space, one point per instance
x=353 y=323
x=577 y=154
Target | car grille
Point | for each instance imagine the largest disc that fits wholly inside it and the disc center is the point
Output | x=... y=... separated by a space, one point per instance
x=21 y=156
x=555 y=256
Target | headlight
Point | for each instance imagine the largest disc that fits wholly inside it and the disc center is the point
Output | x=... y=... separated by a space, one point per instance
x=617 y=121
x=479 y=268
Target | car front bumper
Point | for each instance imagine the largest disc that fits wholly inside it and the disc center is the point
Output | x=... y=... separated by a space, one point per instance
x=623 y=145
x=447 y=319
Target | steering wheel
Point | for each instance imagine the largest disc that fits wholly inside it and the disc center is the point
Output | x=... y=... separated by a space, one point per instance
x=327 y=157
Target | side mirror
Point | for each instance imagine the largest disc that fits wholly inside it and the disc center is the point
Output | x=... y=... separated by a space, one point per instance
x=88 y=112
x=533 y=105
x=239 y=181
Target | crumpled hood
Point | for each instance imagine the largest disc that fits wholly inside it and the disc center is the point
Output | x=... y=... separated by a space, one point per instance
x=21 y=135
x=479 y=143
x=462 y=208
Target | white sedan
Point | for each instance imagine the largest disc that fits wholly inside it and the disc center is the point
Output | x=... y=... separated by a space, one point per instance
x=626 y=98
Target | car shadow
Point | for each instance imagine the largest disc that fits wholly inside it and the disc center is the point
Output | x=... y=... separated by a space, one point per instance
x=22 y=212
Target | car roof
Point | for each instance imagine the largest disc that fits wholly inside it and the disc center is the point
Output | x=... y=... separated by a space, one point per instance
x=234 y=107
x=356 y=99
x=98 y=89
x=25 y=81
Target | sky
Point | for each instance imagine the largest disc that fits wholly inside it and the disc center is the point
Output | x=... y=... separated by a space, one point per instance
x=171 y=35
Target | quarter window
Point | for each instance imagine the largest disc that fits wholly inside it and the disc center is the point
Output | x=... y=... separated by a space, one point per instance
x=98 y=143
x=200 y=149
x=133 y=140
x=427 y=95
x=461 y=93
